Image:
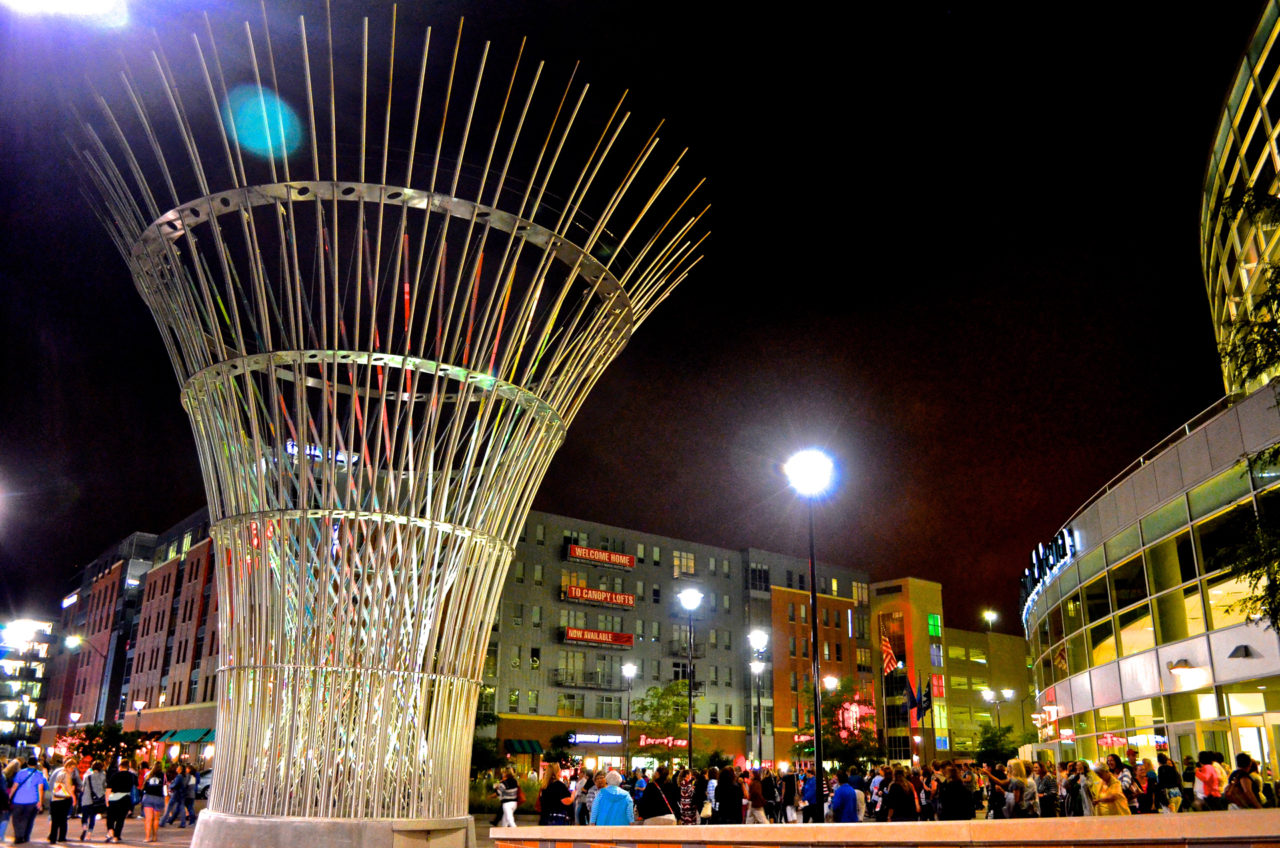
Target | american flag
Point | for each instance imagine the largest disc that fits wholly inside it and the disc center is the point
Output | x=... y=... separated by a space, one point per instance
x=886 y=650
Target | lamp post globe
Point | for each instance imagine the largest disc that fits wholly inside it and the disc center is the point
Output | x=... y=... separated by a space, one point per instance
x=690 y=599
x=810 y=472
x=831 y=682
x=758 y=640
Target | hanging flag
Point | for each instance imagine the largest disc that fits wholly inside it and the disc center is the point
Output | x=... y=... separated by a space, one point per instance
x=909 y=702
x=886 y=650
x=926 y=700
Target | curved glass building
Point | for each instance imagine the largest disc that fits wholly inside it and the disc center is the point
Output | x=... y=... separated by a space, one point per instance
x=1239 y=210
x=1131 y=611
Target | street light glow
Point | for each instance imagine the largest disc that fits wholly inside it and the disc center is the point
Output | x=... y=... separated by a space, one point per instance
x=990 y=616
x=831 y=682
x=629 y=670
x=988 y=695
x=1008 y=694
x=74 y=717
x=757 y=667
x=758 y=639
x=809 y=472
x=111 y=13
x=73 y=642
x=690 y=598
x=139 y=705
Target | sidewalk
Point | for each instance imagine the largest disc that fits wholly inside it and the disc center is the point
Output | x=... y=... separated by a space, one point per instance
x=172 y=835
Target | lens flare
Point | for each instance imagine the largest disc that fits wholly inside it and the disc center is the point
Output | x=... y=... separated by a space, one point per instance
x=260 y=122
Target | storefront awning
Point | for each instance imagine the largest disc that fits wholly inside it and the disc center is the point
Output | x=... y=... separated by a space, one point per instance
x=194 y=734
x=522 y=746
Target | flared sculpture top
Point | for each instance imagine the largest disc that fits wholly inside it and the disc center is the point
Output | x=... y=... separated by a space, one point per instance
x=386 y=285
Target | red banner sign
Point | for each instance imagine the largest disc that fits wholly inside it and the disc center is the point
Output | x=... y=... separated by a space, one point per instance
x=668 y=741
x=599 y=637
x=599 y=596
x=599 y=557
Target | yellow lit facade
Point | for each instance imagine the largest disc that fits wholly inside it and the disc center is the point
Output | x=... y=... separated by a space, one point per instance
x=1134 y=637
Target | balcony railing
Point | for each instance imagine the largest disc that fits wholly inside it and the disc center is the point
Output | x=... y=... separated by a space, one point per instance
x=575 y=679
x=680 y=648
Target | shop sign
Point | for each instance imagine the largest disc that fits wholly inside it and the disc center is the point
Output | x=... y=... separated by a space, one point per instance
x=595 y=739
x=595 y=556
x=802 y=737
x=1066 y=734
x=666 y=741
x=598 y=596
x=1110 y=740
x=599 y=637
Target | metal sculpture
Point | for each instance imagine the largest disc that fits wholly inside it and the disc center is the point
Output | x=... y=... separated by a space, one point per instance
x=379 y=352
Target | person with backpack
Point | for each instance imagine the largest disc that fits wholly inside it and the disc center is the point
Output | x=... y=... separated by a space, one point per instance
x=63 y=795
x=93 y=800
x=27 y=796
x=1244 y=785
x=121 y=784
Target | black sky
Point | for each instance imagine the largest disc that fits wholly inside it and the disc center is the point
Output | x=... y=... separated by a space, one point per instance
x=956 y=245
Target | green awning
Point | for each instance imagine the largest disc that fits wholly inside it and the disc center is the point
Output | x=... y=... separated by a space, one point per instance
x=165 y=737
x=194 y=734
x=522 y=746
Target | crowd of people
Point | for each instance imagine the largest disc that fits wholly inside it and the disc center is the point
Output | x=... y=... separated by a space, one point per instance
x=943 y=791
x=70 y=790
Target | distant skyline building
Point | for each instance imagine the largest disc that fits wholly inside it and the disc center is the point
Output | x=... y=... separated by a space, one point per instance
x=25 y=650
x=582 y=599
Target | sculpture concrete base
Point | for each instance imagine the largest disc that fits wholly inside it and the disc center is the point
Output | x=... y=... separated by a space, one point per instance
x=222 y=830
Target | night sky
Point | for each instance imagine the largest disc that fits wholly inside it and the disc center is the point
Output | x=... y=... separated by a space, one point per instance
x=957 y=247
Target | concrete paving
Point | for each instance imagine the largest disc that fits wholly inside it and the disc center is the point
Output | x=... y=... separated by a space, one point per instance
x=172 y=836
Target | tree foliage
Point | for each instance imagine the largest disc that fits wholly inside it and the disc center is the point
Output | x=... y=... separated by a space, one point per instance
x=105 y=742
x=485 y=756
x=559 y=752
x=1251 y=353
x=1254 y=558
x=845 y=740
x=662 y=712
x=994 y=745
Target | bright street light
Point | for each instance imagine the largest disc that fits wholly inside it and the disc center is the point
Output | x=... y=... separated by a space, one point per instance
x=629 y=670
x=1008 y=694
x=809 y=472
x=758 y=639
x=74 y=717
x=831 y=682
x=757 y=667
x=990 y=617
x=690 y=599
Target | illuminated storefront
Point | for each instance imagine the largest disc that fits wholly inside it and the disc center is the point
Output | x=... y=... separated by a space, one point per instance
x=1130 y=612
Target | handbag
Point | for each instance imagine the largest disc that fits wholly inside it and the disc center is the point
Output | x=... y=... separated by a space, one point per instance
x=706 y=809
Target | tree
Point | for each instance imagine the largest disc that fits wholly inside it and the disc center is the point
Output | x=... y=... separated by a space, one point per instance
x=559 y=750
x=105 y=742
x=1251 y=353
x=485 y=756
x=663 y=712
x=716 y=758
x=1255 y=559
x=994 y=745
x=847 y=737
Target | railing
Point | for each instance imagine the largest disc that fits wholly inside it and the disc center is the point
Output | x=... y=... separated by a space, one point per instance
x=680 y=648
x=575 y=679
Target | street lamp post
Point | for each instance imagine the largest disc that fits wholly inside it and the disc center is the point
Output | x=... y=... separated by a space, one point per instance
x=810 y=473
x=990 y=697
x=758 y=639
x=139 y=706
x=690 y=599
x=628 y=672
